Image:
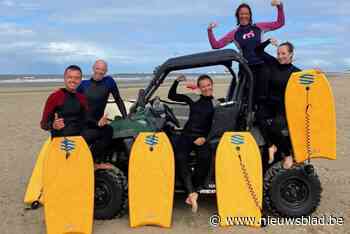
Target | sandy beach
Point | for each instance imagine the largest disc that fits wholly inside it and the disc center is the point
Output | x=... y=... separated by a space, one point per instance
x=20 y=113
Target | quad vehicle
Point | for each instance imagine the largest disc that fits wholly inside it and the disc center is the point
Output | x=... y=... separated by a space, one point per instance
x=293 y=192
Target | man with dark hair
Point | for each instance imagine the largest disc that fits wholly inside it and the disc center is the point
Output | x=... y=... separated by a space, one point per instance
x=194 y=136
x=65 y=110
x=98 y=133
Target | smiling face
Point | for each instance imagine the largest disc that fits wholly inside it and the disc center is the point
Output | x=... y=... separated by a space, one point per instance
x=206 y=87
x=72 y=79
x=99 y=70
x=284 y=55
x=244 y=16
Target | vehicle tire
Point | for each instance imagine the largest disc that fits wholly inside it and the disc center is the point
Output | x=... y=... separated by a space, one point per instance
x=111 y=194
x=291 y=193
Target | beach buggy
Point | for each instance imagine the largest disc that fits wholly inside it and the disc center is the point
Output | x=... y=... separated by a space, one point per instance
x=240 y=175
x=293 y=192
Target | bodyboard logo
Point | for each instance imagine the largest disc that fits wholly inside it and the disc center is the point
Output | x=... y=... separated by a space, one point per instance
x=237 y=140
x=307 y=79
x=152 y=140
x=67 y=146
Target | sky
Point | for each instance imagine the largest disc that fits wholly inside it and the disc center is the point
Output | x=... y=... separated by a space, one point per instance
x=43 y=37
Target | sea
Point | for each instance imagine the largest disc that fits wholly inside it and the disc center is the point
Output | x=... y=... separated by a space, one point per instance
x=47 y=79
x=128 y=78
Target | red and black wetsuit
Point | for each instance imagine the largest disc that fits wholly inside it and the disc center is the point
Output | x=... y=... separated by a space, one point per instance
x=72 y=107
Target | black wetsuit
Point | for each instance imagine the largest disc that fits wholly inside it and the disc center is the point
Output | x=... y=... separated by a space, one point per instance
x=97 y=94
x=72 y=107
x=198 y=125
x=271 y=116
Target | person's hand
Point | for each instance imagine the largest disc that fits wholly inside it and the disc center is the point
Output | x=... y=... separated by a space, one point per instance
x=272 y=151
x=212 y=25
x=199 y=141
x=318 y=70
x=181 y=78
x=274 y=41
x=276 y=2
x=58 y=123
x=103 y=121
x=288 y=162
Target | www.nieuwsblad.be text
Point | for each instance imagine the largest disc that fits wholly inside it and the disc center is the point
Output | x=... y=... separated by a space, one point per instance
x=326 y=220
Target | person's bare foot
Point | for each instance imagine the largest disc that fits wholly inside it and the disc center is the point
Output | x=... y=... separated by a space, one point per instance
x=103 y=166
x=272 y=151
x=288 y=162
x=192 y=201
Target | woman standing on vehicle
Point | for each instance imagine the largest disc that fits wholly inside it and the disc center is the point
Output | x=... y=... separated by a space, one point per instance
x=271 y=115
x=247 y=36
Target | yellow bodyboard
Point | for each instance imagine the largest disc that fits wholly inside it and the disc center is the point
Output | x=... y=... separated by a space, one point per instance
x=34 y=189
x=311 y=116
x=68 y=187
x=239 y=197
x=151 y=180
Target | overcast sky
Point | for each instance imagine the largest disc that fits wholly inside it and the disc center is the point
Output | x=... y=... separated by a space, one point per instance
x=135 y=36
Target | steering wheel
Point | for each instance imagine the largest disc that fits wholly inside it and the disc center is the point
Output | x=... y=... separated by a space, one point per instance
x=159 y=108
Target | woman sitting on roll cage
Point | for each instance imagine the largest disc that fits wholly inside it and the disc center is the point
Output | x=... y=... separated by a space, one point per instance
x=271 y=116
x=194 y=136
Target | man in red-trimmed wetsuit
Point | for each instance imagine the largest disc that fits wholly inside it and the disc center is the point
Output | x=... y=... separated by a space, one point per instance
x=65 y=110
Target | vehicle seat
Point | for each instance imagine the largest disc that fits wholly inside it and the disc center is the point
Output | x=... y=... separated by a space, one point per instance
x=224 y=119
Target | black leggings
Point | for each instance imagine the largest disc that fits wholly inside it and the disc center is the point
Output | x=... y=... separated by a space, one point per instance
x=272 y=124
x=261 y=76
x=183 y=147
x=98 y=138
x=270 y=121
